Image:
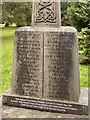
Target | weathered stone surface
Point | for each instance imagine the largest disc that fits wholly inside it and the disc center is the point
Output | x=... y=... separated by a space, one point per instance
x=61 y=65
x=45 y=104
x=46 y=14
x=15 y=112
x=27 y=69
x=46 y=63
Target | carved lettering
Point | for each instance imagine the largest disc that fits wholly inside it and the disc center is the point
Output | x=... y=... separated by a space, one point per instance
x=57 y=59
x=29 y=55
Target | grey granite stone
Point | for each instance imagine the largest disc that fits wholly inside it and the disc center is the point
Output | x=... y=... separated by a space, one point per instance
x=46 y=63
x=27 y=68
x=15 y=112
x=46 y=14
x=80 y=108
x=61 y=65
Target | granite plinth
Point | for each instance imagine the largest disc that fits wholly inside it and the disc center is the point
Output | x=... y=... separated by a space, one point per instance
x=47 y=105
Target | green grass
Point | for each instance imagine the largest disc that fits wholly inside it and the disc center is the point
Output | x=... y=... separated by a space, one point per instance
x=84 y=76
x=7 y=58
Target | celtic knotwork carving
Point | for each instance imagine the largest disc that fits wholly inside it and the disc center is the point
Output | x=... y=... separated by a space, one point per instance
x=45 y=12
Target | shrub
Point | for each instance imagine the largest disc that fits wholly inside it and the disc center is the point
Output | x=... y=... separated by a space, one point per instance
x=84 y=45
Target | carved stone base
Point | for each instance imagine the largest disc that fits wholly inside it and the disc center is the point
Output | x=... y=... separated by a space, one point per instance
x=45 y=104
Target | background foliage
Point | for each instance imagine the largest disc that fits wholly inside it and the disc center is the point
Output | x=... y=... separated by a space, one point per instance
x=77 y=14
x=19 y=13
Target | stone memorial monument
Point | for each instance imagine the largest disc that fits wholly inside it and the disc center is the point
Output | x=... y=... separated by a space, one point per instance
x=46 y=64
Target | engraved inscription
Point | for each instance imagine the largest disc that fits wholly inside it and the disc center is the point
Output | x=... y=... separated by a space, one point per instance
x=45 y=12
x=57 y=49
x=29 y=64
x=62 y=107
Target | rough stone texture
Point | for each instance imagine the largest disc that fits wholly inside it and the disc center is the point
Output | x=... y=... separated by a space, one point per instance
x=46 y=63
x=15 y=112
x=61 y=65
x=46 y=14
x=65 y=107
x=27 y=69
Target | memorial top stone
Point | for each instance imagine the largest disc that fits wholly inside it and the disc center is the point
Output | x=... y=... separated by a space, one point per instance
x=46 y=13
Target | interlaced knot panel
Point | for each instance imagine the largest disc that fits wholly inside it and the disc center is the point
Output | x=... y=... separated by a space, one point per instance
x=45 y=12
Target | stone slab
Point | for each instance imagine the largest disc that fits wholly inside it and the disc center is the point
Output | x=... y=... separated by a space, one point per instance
x=27 y=64
x=45 y=104
x=46 y=63
x=16 y=112
x=61 y=65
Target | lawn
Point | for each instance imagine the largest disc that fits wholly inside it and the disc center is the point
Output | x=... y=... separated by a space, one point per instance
x=7 y=58
x=2 y=25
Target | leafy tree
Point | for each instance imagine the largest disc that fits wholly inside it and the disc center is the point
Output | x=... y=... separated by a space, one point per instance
x=84 y=45
x=7 y=9
x=64 y=14
x=19 y=13
x=79 y=14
